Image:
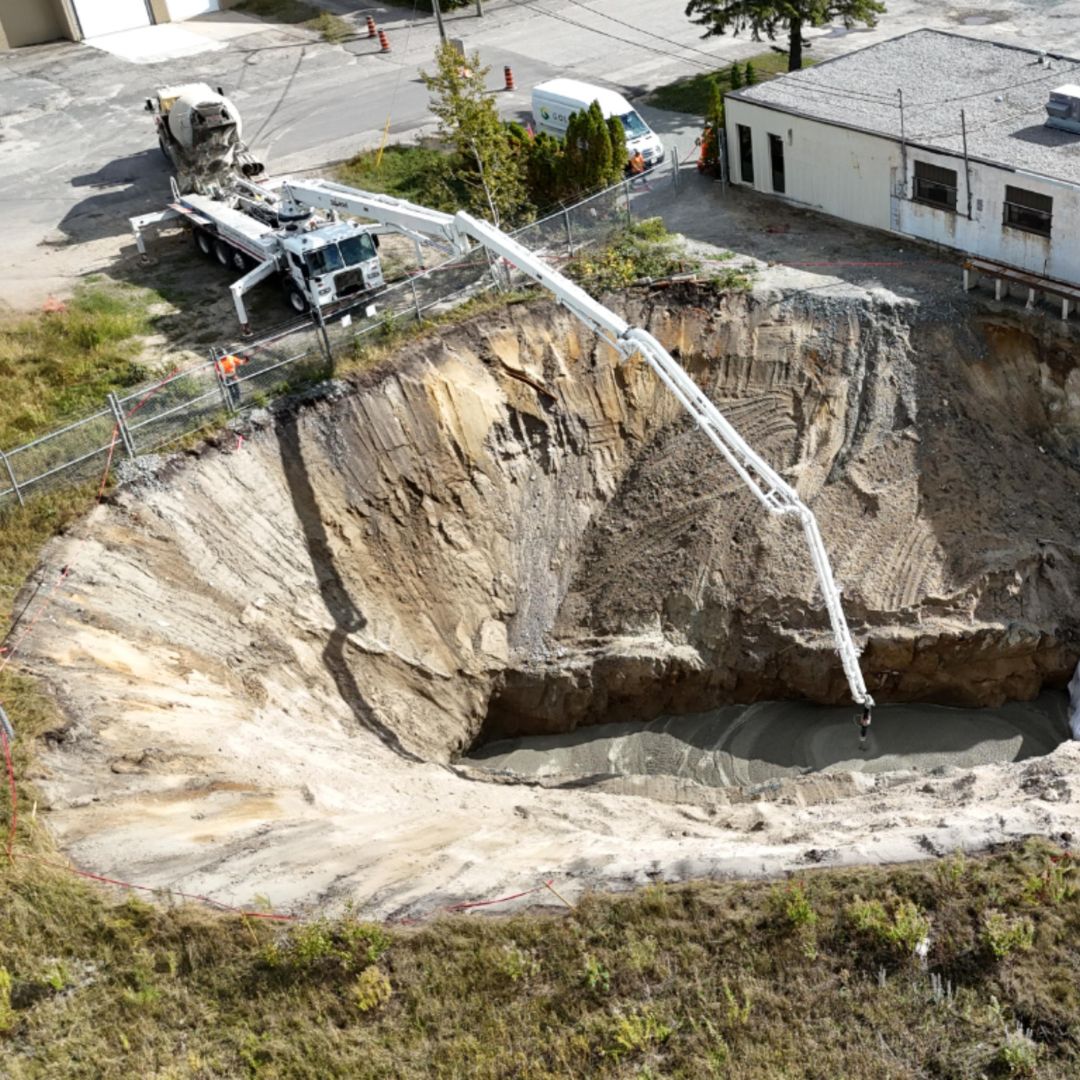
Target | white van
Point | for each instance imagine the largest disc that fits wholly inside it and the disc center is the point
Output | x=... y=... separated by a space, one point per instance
x=553 y=103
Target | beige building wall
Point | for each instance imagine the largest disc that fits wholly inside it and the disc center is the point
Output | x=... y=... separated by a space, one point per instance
x=29 y=22
x=849 y=174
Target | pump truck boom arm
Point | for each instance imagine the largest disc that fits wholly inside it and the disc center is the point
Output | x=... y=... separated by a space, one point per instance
x=766 y=485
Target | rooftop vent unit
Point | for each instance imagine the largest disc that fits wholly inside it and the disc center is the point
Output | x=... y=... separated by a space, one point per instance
x=1063 y=108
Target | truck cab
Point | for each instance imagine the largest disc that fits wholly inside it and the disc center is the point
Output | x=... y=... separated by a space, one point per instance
x=330 y=262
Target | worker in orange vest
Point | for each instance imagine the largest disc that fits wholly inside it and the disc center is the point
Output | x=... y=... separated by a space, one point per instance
x=635 y=168
x=227 y=365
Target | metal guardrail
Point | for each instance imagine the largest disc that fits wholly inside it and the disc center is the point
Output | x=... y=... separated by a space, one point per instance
x=144 y=418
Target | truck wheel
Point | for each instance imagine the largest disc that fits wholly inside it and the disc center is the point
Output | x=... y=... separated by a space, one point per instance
x=222 y=252
x=238 y=261
x=297 y=300
x=204 y=243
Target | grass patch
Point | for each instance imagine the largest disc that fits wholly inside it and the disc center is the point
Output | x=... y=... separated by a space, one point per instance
x=695 y=981
x=692 y=94
x=332 y=27
x=420 y=174
x=58 y=366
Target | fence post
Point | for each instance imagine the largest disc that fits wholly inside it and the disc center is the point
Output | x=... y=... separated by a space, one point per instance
x=629 y=214
x=324 y=338
x=121 y=423
x=675 y=167
x=226 y=399
x=416 y=301
x=569 y=233
x=11 y=476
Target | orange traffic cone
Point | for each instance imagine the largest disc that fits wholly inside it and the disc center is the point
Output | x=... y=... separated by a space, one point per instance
x=508 y=75
x=370 y=27
x=384 y=42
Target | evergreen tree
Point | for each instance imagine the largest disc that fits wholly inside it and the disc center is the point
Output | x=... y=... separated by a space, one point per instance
x=714 y=126
x=751 y=74
x=572 y=162
x=543 y=169
x=599 y=150
x=770 y=17
x=619 y=156
x=735 y=77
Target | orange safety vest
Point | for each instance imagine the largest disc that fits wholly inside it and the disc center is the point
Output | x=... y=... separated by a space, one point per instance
x=637 y=163
x=228 y=364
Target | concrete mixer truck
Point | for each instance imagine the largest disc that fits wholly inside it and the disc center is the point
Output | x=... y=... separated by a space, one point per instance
x=241 y=218
x=200 y=134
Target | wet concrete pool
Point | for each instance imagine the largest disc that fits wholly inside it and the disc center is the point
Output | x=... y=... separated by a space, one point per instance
x=748 y=744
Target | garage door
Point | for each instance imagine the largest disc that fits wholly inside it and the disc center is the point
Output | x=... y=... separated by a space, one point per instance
x=97 y=17
x=185 y=9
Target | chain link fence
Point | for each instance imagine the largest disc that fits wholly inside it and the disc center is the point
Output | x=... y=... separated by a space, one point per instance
x=158 y=412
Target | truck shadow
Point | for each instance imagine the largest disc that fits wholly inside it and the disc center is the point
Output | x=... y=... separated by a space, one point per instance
x=126 y=186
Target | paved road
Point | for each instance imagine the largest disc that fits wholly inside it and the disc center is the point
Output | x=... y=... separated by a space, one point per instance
x=78 y=156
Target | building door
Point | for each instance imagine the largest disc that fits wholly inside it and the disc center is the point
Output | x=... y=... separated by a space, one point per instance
x=187 y=9
x=98 y=17
x=776 y=158
x=746 y=154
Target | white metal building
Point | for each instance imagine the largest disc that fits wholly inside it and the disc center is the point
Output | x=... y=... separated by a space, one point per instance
x=933 y=135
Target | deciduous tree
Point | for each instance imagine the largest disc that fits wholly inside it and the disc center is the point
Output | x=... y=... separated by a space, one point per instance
x=772 y=17
x=488 y=166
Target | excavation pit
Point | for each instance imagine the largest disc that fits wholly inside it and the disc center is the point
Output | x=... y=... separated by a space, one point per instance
x=271 y=656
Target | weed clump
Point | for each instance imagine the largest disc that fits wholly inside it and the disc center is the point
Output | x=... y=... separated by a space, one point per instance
x=372 y=989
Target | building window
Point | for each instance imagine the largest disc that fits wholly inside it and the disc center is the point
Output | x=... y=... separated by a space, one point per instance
x=1028 y=210
x=935 y=185
x=776 y=159
x=746 y=154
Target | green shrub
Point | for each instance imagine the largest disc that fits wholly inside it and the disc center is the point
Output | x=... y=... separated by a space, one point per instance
x=328 y=947
x=371 y=990
x=791 y=906
x=637 y=1033
x=1019 y=1054
x=645 y=250
x=596 y=977
x=518 y=964
x=896 y=931
x=7 y=1013
x=738 y=1011
x=1056 y=883
x=1001 y=934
